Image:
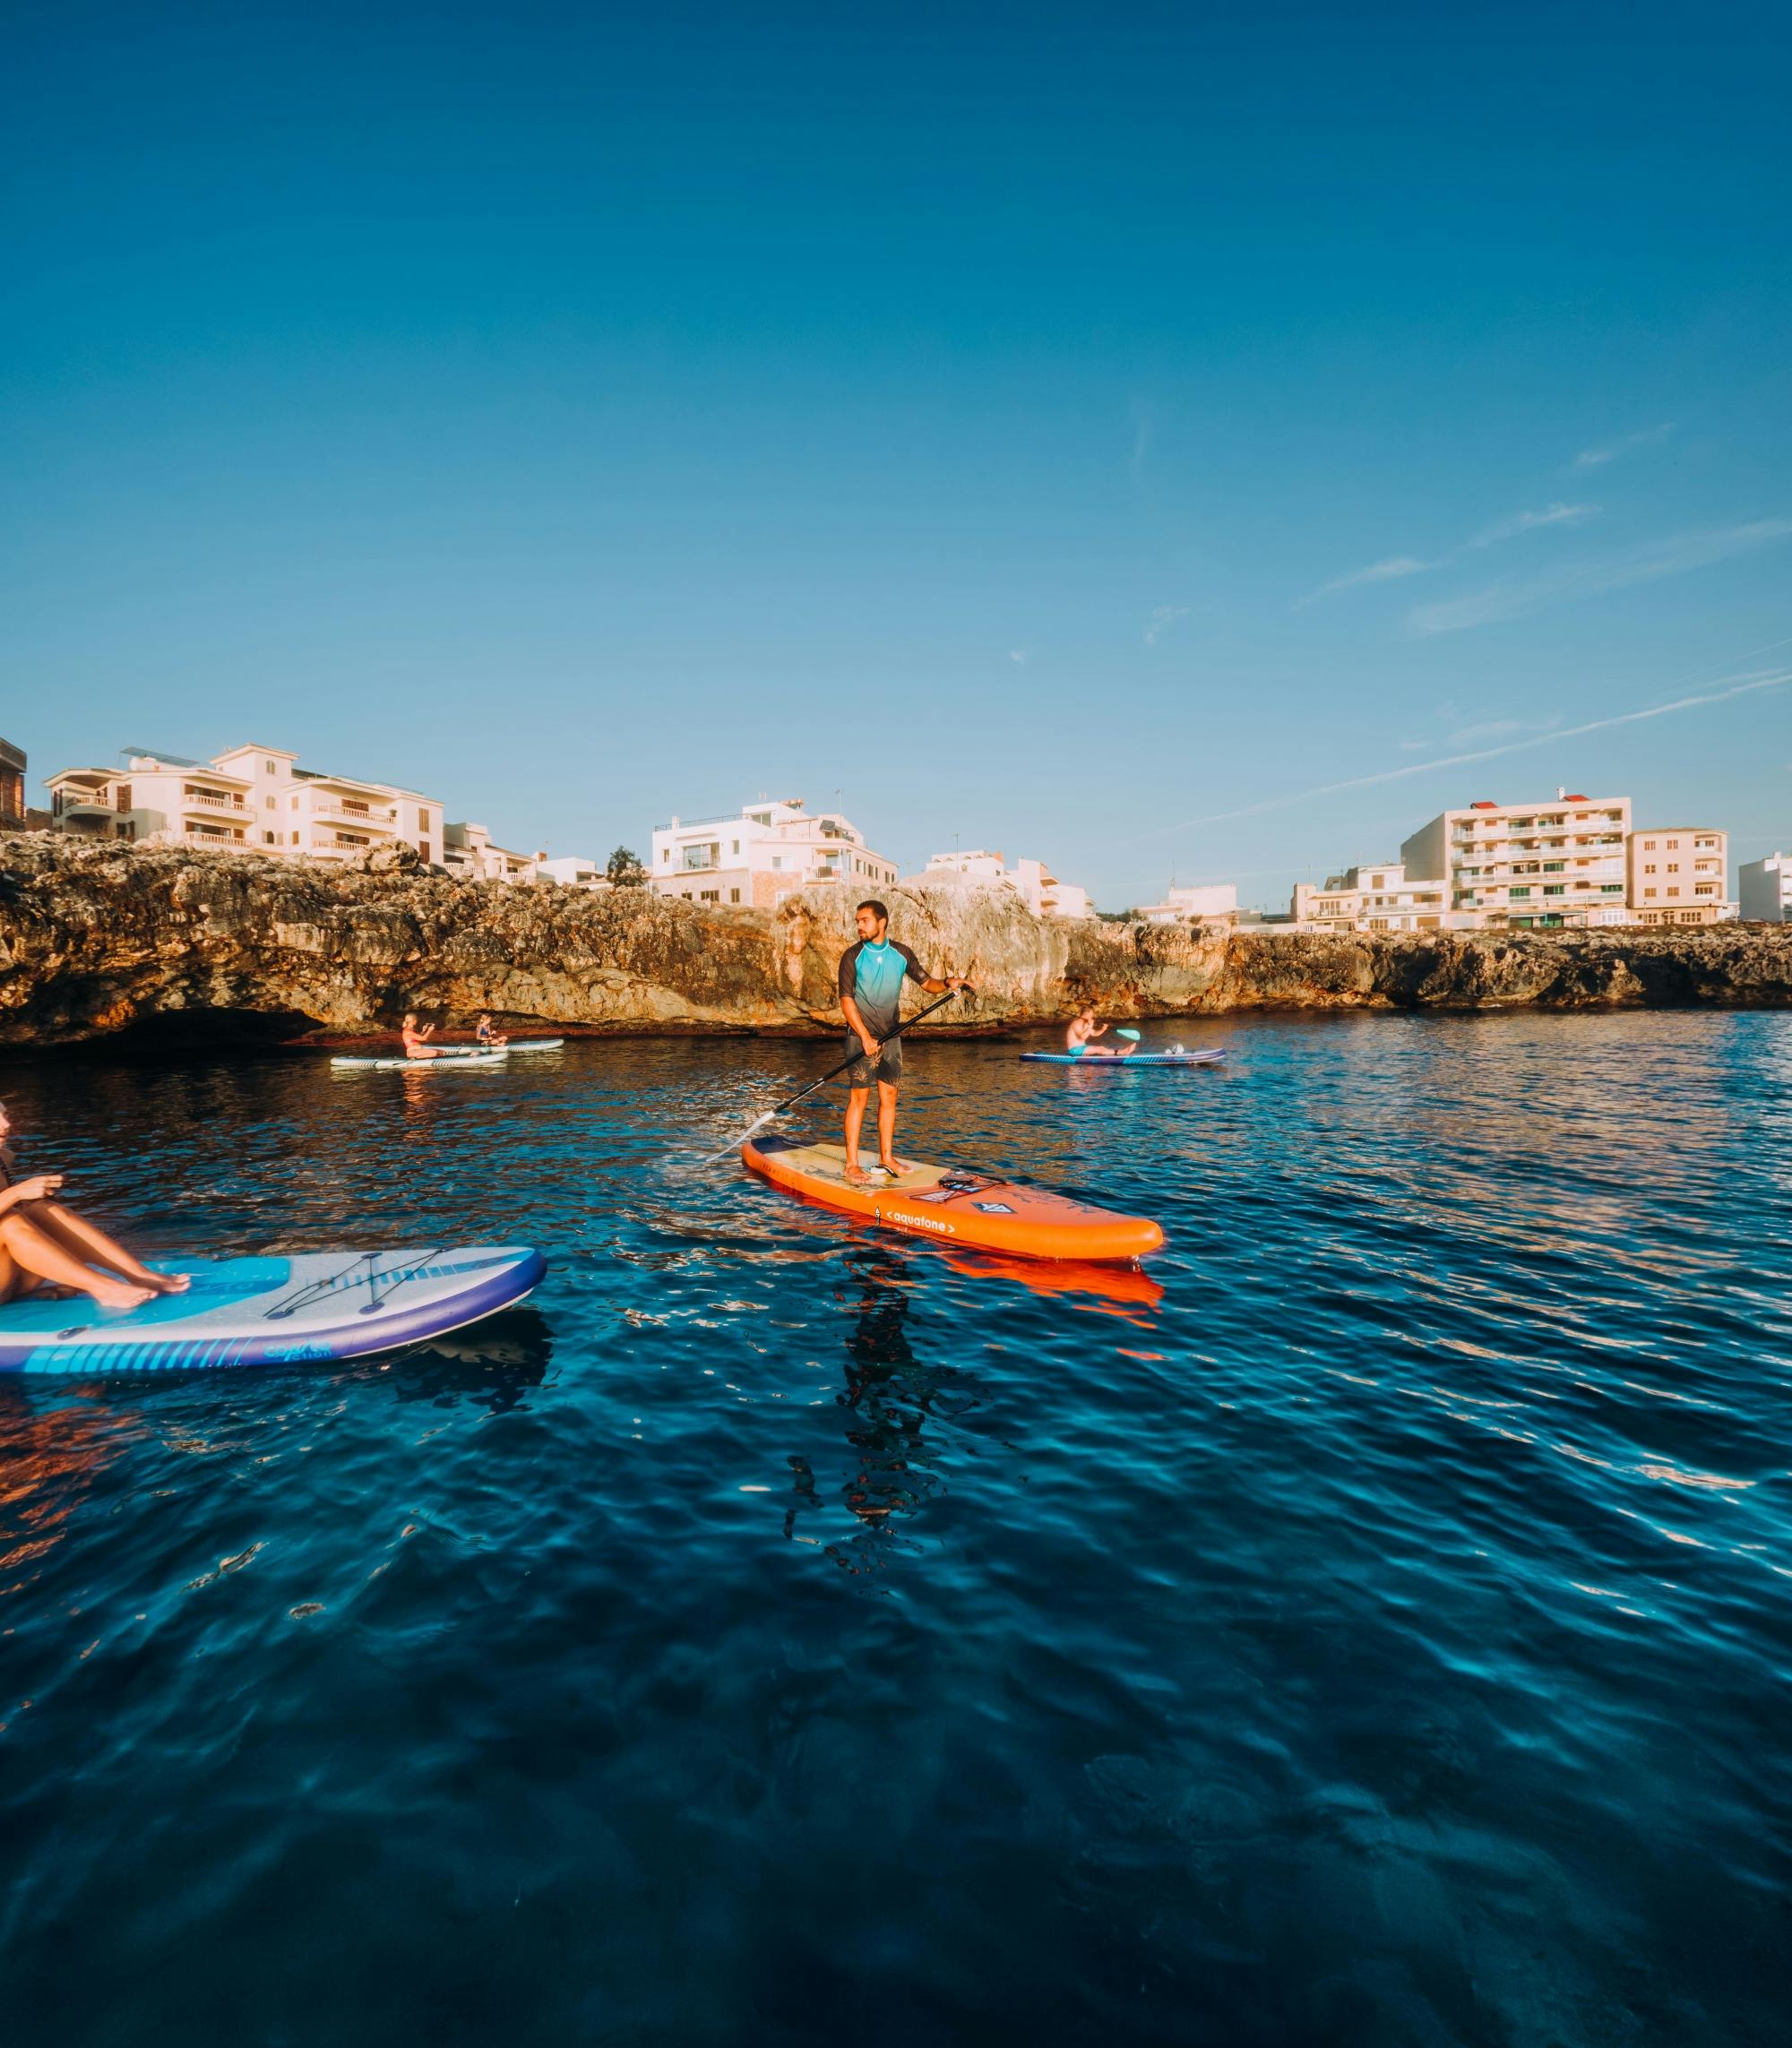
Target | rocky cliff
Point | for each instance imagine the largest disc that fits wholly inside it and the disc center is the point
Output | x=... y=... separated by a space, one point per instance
x=95 y=941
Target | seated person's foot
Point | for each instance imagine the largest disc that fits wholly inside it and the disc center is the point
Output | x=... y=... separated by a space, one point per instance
x=120 y=1294
x=169 y=1283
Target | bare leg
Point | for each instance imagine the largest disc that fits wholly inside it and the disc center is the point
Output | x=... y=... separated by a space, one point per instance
x=886 y=1129
x=88 y=1242
x=855 y=1100
x=36 y=1253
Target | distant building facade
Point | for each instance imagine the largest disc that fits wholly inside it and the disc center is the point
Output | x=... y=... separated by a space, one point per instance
x=12 y=787
x=253 y=799
x=1041 y=891
x=470 y=852
x=1764 y=889
x=1200 y=900
x=753 y=858
x=1379 y=897
x=571 y=870
x=1679 y=875
x=1526 y=865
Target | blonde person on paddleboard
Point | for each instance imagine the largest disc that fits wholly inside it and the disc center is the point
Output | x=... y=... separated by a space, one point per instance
x=416 y=1046
x=44 y=1243
x=1083 y=1030
x=871 y=976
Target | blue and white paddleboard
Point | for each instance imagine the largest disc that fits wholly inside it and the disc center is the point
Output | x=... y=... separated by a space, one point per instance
x=272 y=1310
x=450 y=1055
x=1131 y=1060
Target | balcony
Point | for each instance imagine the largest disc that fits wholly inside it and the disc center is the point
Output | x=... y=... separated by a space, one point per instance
x=73 y=806
x=333 y=810
x=209 y=800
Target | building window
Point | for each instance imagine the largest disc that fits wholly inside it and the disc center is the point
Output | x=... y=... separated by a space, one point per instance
x=734 y=846
x=1674 y=867
x=777 y=860
x=268 y=838
x=295 y=839
x=733 y=896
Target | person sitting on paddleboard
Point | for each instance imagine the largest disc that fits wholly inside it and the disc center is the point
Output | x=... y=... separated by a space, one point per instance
x=871 y=978
x=416 y=1046
x=44 y=1245
x=485 y=1036
x=1083 y=1029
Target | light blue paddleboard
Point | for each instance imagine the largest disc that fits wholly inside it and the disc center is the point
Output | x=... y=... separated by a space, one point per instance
x=272 y=1310
x=1131 y=1060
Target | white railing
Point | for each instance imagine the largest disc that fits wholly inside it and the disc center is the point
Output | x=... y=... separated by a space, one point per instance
x=212 y=801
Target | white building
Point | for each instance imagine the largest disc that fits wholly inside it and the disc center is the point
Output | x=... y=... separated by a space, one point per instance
x=1679 y=875
x=469 y=851
x=1765 y=888
x=253 y=799
x=1200 y=900
x=571 y=870
x=1041 y=891
x=1516 y=865
x=1377 y=896
x=758 y=856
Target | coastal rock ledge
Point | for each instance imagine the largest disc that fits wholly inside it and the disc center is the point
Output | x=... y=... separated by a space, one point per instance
x=97 y=941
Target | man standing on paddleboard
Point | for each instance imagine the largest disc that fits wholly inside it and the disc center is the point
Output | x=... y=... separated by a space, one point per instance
x=871 y=978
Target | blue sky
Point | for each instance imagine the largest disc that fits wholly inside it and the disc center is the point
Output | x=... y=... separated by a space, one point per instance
x=1079 y=430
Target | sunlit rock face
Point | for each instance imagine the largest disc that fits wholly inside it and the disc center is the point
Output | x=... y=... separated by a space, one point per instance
x=100 y=940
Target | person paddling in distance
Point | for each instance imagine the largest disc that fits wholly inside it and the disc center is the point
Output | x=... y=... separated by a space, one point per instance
x=1083 y=1030
x=43 y=1243
x=484 y=1037
x=416 y=1046
x=871 y=976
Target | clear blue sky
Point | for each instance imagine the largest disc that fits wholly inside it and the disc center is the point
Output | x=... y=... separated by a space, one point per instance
x=1056 y=426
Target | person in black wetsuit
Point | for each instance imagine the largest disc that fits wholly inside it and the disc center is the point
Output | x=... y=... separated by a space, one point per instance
x=871 y=976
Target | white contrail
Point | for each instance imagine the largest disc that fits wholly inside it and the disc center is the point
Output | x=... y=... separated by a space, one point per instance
x=1737 y=687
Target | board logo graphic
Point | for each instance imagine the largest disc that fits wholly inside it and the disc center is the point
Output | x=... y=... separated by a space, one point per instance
x=993 y=1208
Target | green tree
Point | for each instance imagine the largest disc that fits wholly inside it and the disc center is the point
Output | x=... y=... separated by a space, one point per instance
x=625 y=869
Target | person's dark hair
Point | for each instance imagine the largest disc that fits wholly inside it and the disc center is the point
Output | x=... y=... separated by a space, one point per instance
x=876 y=908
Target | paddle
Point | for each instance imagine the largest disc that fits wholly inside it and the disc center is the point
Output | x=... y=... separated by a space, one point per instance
x=852 y=1060
x=1125 y=1031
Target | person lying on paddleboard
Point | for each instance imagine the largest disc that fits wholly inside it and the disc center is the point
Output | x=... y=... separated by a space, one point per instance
x=871 y=976
x=484 y=1035
x=44 y=1245
x=1083 y=1029
x=416 y=1046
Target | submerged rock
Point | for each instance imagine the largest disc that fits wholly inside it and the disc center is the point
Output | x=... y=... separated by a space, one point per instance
x=99 y=940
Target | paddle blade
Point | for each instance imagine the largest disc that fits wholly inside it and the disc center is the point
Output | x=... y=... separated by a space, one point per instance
x=1125 y=1031
x=733 y=1145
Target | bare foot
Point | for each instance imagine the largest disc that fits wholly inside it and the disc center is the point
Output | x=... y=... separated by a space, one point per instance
x=119 y=1294
x=169 y=1283
x=895 y=1168
x=855 y=1175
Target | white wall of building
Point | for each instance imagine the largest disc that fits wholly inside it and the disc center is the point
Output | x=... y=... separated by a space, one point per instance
x=1678 y=874
x=1764 y=888
x=1031 y=879
x=1379 y=896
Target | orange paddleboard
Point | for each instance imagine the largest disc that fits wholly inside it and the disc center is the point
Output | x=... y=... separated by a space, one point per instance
x=957 y=1206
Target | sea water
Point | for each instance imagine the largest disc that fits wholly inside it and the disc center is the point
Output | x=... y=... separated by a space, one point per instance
x=1373 y=1626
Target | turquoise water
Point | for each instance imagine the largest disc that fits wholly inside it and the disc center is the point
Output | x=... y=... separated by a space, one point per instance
x=1374 y=1628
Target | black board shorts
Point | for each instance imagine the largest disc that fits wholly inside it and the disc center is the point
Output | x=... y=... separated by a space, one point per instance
x=886 y=1067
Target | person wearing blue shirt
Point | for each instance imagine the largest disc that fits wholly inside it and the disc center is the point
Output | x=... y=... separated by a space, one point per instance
x=871 y=978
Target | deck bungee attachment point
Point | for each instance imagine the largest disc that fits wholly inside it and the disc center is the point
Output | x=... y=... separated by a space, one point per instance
x=956 y=1206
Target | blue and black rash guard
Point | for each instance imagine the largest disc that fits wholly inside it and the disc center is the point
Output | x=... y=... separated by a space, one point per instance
x=872 y=976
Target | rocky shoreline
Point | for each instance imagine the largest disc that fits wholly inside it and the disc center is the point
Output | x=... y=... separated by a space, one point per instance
x=100 y=940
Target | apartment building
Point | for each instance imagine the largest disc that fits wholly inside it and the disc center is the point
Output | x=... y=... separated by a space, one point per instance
x=571 y=870
x=1198 y=900
x=1678 y=875
x=1764 y=888
x=1043 y=894
x=758 y=856
x=1380 y=897
x=1520 y=865
x=253 y=799
x=12 y=787
x=470 y=852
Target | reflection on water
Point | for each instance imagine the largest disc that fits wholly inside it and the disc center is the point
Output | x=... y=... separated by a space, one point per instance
x=1366 y=1625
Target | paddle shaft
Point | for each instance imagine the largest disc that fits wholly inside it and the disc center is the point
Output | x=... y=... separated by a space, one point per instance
x=853 y=1060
